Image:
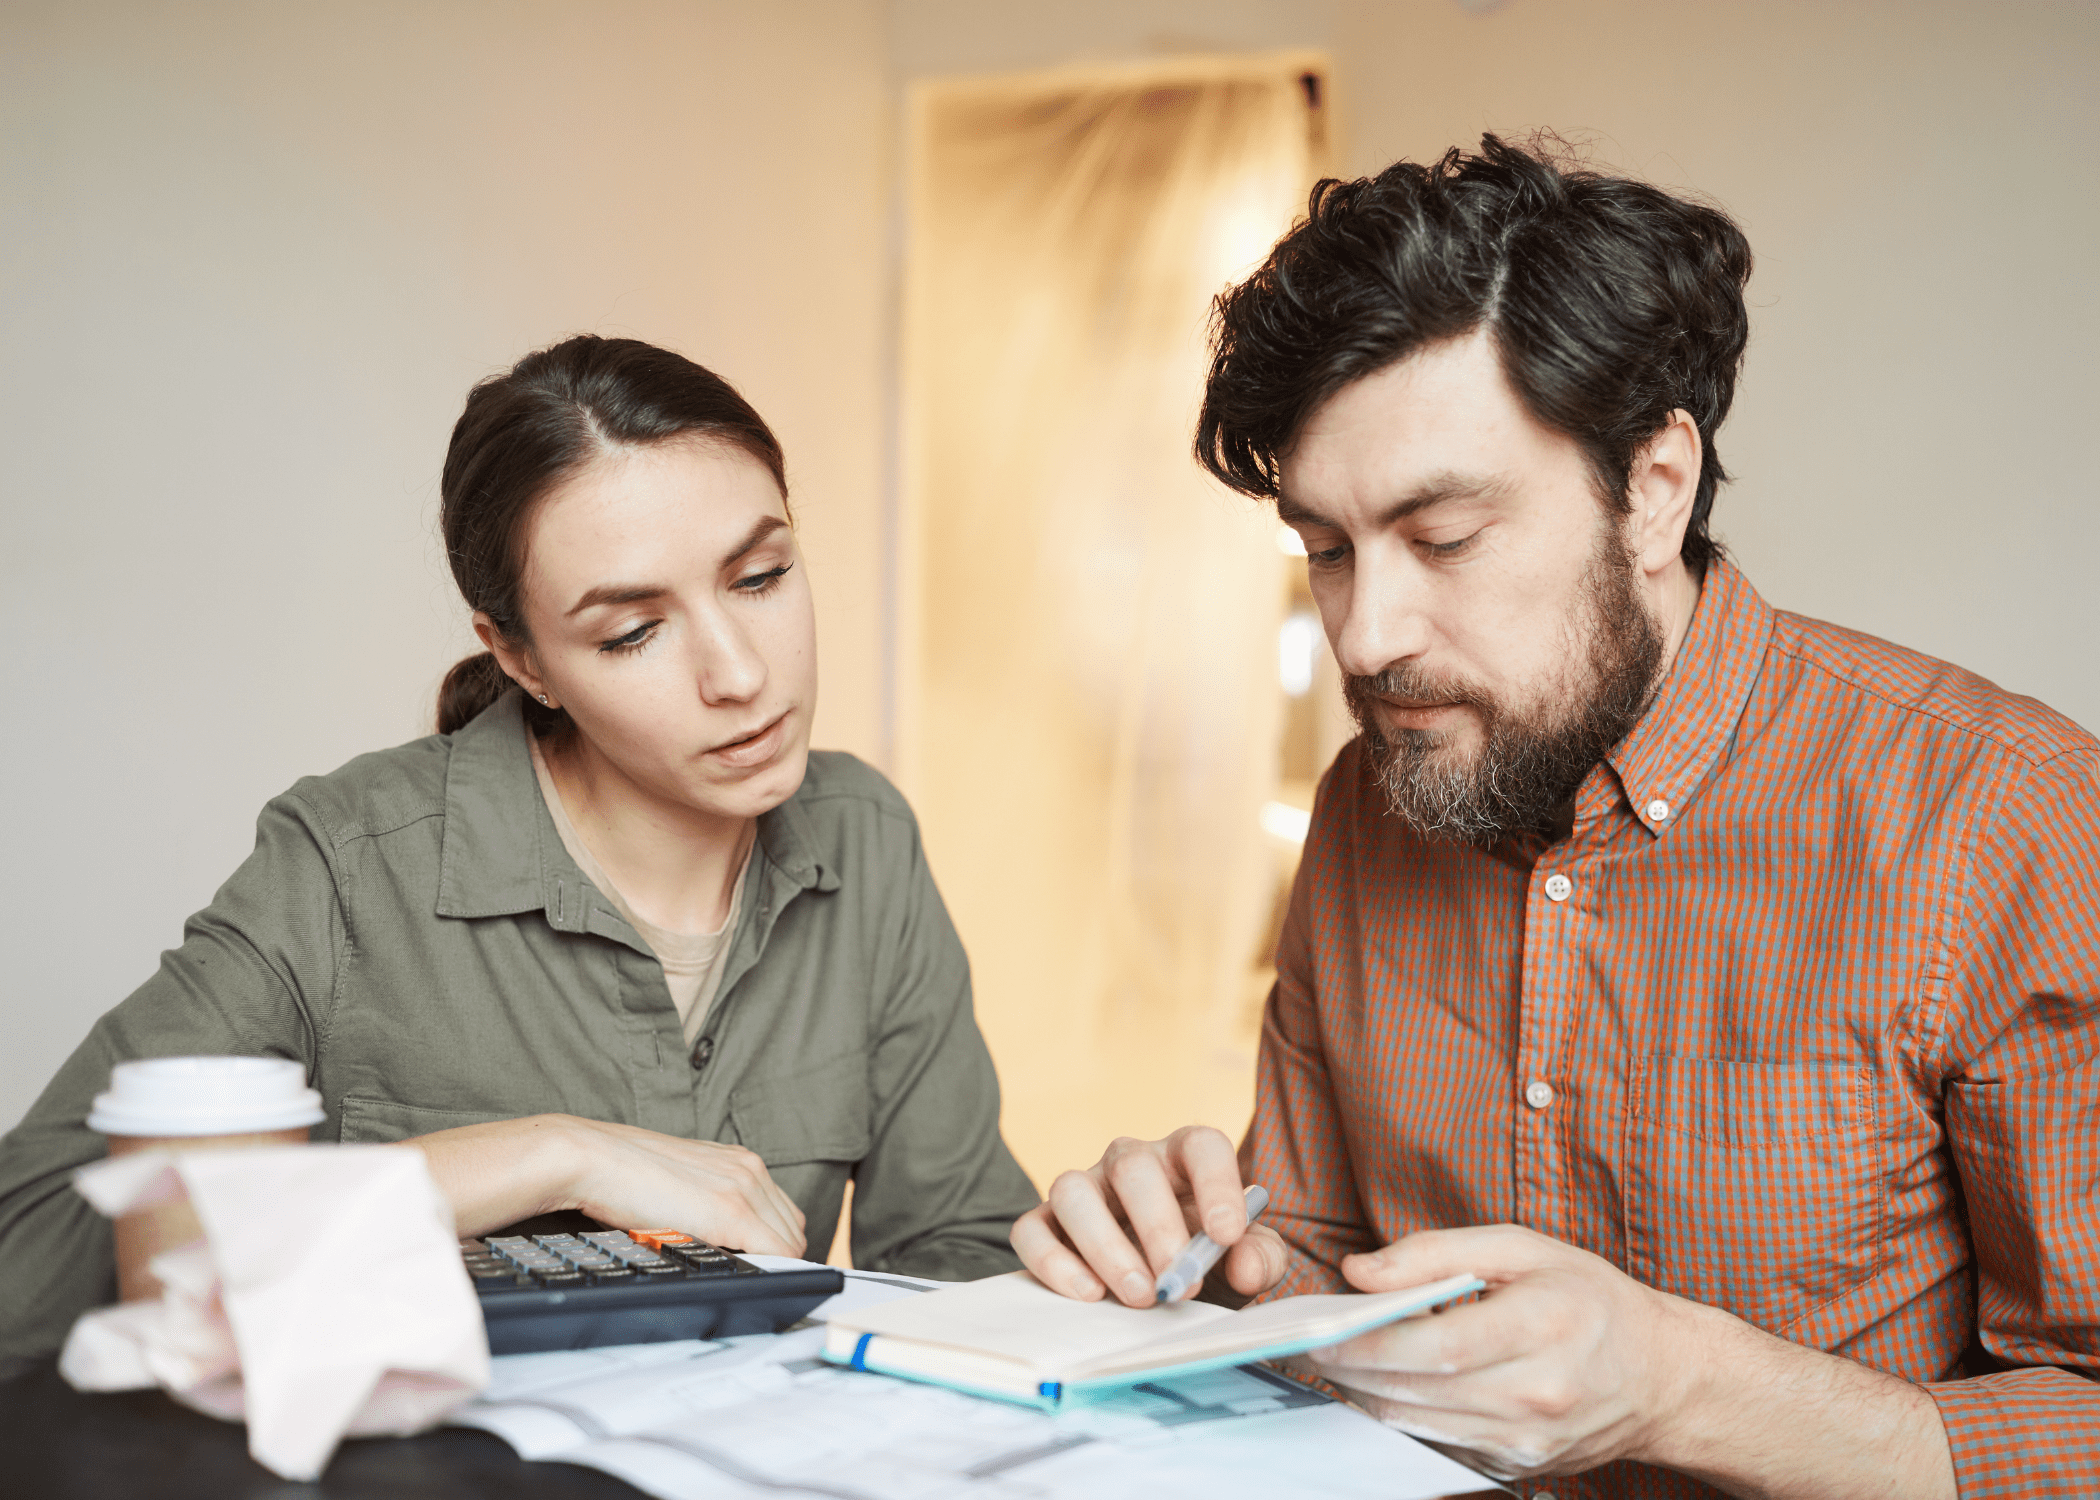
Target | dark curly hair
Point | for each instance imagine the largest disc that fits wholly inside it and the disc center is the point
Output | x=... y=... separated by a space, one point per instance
x=534 y=426
x=1611 y=302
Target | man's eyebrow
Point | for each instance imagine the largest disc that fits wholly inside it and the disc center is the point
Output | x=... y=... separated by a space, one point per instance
x=1437 y=489
x=1293 y=513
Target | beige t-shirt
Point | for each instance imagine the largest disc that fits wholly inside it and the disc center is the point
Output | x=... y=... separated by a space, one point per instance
x=692 y=961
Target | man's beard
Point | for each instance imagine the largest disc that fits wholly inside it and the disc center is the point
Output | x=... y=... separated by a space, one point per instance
x=1531 y=760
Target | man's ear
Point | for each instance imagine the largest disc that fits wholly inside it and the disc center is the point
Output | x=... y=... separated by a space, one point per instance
x=1662 y=486
x=517 y=665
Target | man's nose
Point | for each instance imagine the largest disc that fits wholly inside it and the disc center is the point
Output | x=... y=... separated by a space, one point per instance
x=1385 y=621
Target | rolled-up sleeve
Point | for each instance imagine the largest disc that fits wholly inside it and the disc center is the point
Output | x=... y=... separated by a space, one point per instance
x=254 y=976
x=2023 y=1123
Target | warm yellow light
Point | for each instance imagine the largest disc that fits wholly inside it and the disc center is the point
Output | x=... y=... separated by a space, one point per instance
x=1283 y=821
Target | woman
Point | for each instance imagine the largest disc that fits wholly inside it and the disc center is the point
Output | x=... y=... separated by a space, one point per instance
x=614 y=938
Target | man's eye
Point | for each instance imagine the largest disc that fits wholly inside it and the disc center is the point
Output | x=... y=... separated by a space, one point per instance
x=1449 y=549
x=634 y=640
x=1327 y=557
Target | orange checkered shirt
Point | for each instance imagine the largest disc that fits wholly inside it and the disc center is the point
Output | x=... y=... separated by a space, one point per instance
x=1801 y=1021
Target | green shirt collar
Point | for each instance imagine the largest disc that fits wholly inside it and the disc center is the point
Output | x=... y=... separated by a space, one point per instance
x=501 y=855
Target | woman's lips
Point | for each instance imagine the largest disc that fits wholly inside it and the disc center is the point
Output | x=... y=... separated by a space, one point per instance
x=754 y=749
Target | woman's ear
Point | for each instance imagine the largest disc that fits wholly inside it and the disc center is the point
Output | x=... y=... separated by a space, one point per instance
x=1662 y=487
x=517 y=665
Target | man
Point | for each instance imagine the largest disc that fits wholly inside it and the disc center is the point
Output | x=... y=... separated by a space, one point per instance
x=1720 y=986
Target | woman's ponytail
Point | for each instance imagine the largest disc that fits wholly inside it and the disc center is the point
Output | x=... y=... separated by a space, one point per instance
x=471 y=686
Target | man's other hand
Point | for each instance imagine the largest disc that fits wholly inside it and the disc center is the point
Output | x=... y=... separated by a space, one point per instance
x=1568 y=1363
x=1565 y=1364
x=1121 y=1222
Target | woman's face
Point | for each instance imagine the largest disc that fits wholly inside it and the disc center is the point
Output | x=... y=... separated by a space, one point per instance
x=670 y=615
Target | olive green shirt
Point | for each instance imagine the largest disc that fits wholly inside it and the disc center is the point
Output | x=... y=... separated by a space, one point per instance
x=411 y=929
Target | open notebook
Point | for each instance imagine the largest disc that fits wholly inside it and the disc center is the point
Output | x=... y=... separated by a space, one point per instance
x=1012 y=1337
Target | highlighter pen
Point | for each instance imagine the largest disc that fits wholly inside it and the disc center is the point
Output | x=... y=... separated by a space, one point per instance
x=1189 y=1268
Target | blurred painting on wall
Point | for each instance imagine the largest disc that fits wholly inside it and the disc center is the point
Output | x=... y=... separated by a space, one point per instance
x=1092 y=725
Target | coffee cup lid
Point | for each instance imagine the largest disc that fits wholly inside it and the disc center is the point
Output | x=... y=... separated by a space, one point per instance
x=179 y=1096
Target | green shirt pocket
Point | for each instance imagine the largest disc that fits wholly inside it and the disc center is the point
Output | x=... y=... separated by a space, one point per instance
x=382 y=1120
x=818 y=1113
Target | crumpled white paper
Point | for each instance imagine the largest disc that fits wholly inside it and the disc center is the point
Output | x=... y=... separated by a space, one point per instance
x=326 y=1300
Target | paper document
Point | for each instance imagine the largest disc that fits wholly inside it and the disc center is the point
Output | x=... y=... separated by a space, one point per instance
x=763 y=1418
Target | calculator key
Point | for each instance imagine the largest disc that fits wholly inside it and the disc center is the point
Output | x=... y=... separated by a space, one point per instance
x=661 y=1268
x=560 y=1278
x=612 y=1273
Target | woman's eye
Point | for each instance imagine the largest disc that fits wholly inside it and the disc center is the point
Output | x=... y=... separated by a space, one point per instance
x=760 y=583
x=634 y=640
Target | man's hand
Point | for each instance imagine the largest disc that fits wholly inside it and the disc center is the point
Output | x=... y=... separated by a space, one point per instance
x=498 y=1173
x=1080 y=1241
x=1568 y=1363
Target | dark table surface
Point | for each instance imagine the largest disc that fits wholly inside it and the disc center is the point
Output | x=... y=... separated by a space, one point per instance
x=57 y=1443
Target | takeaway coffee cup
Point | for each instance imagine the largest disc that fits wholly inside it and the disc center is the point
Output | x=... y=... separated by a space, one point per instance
x=193 y=1104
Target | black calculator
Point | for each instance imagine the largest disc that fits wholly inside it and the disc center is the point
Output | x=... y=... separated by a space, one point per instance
x=565 y=1286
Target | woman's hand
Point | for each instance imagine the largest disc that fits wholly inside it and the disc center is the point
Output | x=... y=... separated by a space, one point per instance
x=1159 y=1193
x=507 y=1170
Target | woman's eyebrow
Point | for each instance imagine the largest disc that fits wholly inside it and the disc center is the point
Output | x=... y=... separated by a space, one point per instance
x=618 y=593
x=634 y=593
x=764 y=527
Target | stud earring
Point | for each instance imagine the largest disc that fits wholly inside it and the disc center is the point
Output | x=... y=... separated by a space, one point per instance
x=543 y=701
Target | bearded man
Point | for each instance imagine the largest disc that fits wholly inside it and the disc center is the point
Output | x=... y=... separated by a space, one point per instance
x=1720 y=986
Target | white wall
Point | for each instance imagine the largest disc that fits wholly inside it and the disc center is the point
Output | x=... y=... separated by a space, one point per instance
x=253 y=257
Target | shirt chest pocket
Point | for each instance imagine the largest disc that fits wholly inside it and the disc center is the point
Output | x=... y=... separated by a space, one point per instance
x=1756 y=1188
x=819 y=1113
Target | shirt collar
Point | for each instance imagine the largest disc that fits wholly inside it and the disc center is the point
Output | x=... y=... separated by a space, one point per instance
x=1679 y=741
x=501 y=854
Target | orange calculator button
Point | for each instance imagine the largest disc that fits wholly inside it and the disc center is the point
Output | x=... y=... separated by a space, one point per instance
x=656 y=1239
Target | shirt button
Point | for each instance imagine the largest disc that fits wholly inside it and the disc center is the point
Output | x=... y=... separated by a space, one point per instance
x=1559 y=887
x=702 y=1051
x=1658 y=811
x=1542 y=1495
x=1538 y=1093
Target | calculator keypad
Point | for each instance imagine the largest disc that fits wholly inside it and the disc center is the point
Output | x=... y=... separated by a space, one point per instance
x=518 y=1262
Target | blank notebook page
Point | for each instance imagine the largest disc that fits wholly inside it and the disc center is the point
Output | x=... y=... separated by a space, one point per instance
x=1017 y=1316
